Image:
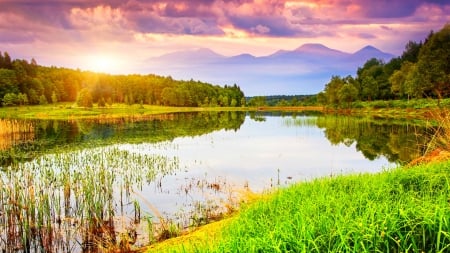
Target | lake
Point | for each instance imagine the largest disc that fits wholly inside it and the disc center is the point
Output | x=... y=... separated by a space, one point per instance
x=81 y=185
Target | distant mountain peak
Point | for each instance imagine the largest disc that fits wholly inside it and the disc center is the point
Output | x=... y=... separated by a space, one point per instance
x=369 y=48
x=312 y=47
x=195 y=55
x=371 y=51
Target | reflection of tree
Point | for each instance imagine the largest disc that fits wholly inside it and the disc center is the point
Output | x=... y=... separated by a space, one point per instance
x=257 y=116
x=374 y=138
x=54 y=135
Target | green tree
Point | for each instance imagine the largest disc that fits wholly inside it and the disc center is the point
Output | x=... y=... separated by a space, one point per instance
x=8 y=82
x=33 y=97
x=434 y=64
x=22 y=99
x=398 y=79
x=413 y=83
x=257 y=101
x=84 y=98
x=54 y=97
x=411 y=53
x=347 y=94
x=332 y=90
x=101 y=102
x=9 y=99
x=43 y=100
x=243 y=101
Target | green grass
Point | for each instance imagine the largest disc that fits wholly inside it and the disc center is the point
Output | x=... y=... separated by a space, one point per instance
x=403 y=104
x=70 y=111
x=402 y=210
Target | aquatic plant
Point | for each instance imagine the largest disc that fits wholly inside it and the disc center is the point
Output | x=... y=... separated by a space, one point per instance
x=67 y=201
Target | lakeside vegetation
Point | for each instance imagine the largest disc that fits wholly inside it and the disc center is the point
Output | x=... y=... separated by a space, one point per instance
x=398 y=210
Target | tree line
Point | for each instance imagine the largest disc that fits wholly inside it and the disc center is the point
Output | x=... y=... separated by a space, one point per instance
x=422 y=71
x=23 y=82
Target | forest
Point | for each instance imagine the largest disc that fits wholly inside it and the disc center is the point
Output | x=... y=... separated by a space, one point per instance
x=23 y=82
x=422 y=71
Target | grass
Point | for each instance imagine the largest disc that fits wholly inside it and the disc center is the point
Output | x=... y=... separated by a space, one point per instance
x=400 y=210
x=417 y=108
x=70 y=111
x=63 y=201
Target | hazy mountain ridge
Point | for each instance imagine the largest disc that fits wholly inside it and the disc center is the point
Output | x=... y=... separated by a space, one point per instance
x=304 y=70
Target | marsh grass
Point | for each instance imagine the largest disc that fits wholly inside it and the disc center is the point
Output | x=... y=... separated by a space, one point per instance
x=66 y=202
x=441 y=132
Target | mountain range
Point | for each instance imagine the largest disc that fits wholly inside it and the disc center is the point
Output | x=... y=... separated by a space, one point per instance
x=304 y=70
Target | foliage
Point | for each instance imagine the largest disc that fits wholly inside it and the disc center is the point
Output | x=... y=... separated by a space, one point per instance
x=434 y=64
x=257 y=101
x=282 y=100
x=43 y=100
x=84 y=98
x=64 y=85
x=422 y=71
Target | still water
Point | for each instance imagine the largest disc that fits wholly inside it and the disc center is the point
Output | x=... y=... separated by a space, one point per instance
x=180 y=169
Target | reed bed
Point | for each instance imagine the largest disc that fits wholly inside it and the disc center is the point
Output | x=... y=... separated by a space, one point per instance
x=69 y=202
x=14 y=131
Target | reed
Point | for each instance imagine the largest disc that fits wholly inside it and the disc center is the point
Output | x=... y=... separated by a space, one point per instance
x=66 y=202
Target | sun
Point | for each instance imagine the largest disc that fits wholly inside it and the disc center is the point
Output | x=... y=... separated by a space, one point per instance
x=102 y=63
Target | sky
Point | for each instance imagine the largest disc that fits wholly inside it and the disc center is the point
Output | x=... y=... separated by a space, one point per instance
x=119 y=36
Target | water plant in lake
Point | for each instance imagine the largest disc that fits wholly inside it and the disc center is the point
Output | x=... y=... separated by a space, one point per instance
x=66 y=202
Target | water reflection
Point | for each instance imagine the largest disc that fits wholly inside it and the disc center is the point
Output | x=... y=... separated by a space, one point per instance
x=399 y=142
x=128 y=182
x=35 y=137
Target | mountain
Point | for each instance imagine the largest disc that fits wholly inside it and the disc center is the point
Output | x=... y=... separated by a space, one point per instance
x=195 y=55
x=304 y=70
x=368 y=52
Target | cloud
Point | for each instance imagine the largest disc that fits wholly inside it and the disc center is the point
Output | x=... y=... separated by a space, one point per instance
x=366 y=36
x=277 y=18
x=259 y=26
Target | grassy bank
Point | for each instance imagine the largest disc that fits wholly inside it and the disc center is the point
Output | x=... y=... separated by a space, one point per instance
x=69 y=111
x=413 y=109
x=401 y=210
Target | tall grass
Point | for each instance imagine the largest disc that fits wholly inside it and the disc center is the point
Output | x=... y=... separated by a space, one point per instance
x=394 y=211
x=67 y=202
x=399 y=210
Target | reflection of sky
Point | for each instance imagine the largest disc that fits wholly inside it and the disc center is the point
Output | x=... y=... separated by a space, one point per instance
x=254 y=154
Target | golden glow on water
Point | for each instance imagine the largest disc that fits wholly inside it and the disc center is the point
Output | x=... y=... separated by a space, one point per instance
x=13 y=131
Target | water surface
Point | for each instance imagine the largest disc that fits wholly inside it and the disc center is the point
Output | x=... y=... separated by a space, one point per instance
x=177 y=168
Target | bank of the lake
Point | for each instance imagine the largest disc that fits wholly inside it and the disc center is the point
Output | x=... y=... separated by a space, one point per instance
x=420 y=109
x=69 y=111
x=400 y=210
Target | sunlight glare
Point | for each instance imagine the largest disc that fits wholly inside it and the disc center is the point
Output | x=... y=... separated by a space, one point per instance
x=102 y=63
